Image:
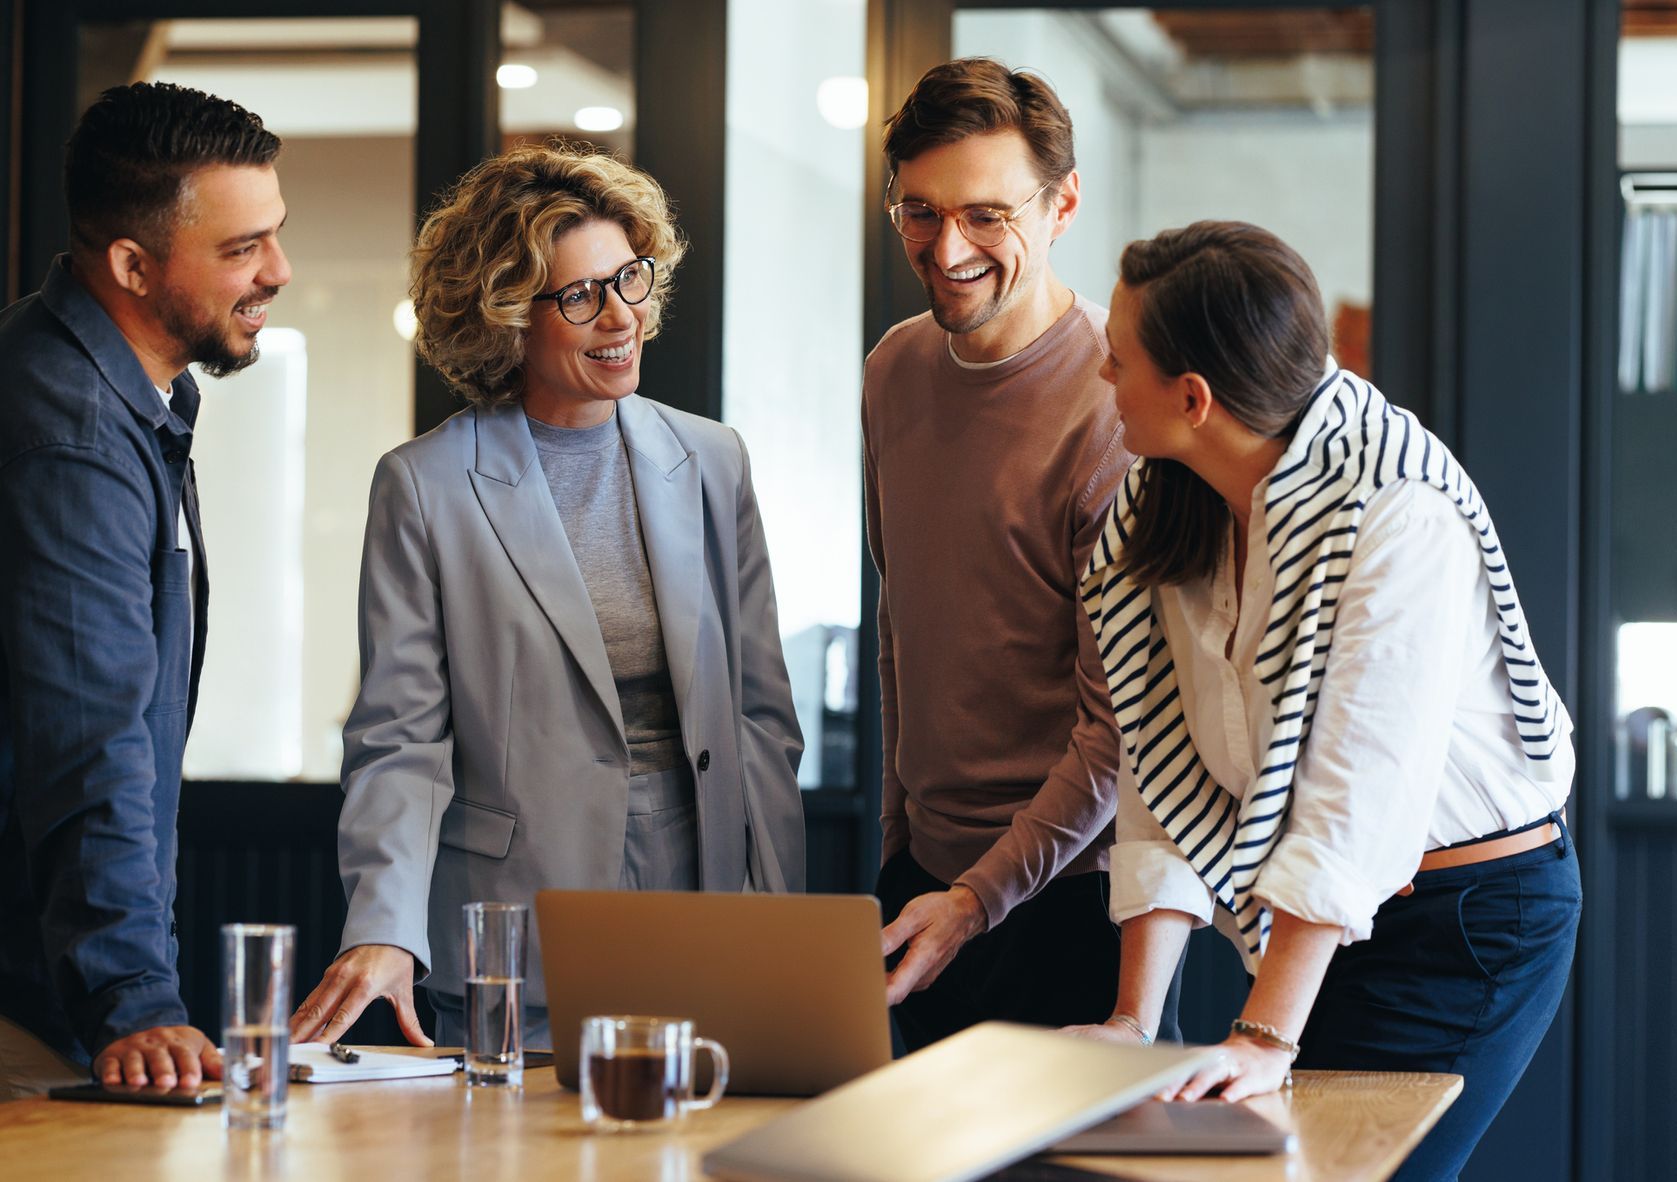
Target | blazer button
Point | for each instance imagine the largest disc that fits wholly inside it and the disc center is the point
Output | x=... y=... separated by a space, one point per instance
x=704 y=760
x=173 y=457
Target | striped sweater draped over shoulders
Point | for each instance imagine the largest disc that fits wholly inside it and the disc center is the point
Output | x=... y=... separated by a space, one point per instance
x=1350 y=443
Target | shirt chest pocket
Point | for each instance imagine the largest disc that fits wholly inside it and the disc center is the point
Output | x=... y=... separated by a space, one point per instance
x=171 y=626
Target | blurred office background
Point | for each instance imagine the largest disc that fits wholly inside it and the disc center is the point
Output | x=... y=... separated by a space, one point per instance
x=1487 y=190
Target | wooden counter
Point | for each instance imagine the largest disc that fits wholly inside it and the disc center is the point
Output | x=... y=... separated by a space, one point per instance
x=1351 y=1125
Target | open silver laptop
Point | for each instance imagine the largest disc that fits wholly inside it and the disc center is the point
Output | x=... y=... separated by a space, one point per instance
x=956 y=1111
x=792 y=985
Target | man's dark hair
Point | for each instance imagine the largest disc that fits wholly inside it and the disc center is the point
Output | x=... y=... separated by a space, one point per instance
x=128 y=162
x=977 y=96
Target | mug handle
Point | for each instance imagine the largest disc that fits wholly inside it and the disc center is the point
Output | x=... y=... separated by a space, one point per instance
x=719 y=1059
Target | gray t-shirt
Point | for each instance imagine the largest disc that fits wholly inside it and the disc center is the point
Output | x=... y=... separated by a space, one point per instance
x=587 y=470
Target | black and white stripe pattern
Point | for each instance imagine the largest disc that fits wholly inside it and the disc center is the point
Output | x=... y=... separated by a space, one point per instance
x=1350 y=443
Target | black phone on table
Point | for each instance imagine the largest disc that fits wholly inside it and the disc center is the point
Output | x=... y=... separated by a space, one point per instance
x=197 y=1097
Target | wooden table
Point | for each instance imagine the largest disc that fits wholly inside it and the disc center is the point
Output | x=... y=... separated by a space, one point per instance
x=1351 y=1125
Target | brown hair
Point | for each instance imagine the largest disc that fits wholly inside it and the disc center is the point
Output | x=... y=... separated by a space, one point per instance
x=483 y=254
x=1236 y=305
x=977 y=96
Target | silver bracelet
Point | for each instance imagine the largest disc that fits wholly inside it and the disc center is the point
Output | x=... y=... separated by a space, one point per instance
x=1134 y=1024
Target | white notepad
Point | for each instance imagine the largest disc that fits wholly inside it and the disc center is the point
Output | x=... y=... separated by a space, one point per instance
x=313 y=1062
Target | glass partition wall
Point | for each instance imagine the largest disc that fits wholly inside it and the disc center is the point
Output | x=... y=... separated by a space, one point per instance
x=792 y=338
x=1644 y=576
x=1629 y=735
x=285 y=449
x=1264 y=116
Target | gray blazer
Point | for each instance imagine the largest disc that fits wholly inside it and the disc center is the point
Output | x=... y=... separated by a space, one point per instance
x=485 y=758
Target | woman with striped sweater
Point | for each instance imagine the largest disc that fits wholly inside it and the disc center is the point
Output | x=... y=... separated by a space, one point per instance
x=1341 y=748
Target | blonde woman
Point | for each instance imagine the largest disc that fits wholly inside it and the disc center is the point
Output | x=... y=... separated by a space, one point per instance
x=572 y=673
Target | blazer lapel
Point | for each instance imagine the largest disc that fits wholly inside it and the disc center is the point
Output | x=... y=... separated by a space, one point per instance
x=670 y=500
x=515 y=497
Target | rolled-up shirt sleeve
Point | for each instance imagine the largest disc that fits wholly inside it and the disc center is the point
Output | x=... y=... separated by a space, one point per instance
x=1149 y=871
x=1369 y=775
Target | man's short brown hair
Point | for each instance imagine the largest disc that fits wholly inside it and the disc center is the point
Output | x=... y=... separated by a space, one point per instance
x=978 y=96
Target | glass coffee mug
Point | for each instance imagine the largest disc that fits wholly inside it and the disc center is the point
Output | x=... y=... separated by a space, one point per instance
x=637 y=1072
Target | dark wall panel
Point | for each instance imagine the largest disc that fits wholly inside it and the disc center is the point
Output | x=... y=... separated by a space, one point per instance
x=681 y=137
x=1644 y=1043
x=1524 y=139
x=264 y=853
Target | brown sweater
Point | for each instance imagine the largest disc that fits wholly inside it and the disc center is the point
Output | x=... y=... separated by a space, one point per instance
x=986 y=491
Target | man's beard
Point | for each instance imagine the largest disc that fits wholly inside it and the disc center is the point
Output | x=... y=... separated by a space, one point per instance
x=205 y=341
x=976 y=317
x=964 y=322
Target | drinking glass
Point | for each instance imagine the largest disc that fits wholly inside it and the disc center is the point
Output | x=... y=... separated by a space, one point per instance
x=495 y=938
x=256 y=961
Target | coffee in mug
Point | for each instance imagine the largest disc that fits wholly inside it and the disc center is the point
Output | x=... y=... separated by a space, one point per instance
x=641 y=1083
x=638 y=1071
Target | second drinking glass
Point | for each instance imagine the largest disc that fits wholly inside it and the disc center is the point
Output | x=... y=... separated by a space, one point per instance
x=495 y=940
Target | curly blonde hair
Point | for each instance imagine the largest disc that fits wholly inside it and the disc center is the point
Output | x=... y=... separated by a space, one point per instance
x=483 y=254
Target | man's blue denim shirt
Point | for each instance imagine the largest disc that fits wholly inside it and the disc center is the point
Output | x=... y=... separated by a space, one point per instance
x=100 y=648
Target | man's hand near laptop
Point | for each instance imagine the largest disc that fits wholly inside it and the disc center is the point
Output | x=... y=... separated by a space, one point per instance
x=934 y=926
x=160 y=1056
x=351 y=983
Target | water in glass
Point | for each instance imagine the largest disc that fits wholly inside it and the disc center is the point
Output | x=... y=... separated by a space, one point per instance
x=494 y=1030
x=254 y=1077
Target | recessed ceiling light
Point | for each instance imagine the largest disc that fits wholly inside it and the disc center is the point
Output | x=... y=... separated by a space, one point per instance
x=514 y=76
x=598 y=118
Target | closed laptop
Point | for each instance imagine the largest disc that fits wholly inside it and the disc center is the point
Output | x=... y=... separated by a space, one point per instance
x=956 y=1111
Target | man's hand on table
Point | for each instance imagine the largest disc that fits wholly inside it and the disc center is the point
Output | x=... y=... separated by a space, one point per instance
x=351 y=983
x=934 y=926
x=161 y=1056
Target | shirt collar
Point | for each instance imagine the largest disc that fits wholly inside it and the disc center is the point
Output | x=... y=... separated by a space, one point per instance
x=91 y=325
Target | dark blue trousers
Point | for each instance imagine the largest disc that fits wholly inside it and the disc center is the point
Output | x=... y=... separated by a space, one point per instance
x=1462 y=976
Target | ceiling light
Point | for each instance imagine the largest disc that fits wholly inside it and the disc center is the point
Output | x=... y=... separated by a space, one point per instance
x=843 y=101
x=513 y=76
x=598 y=119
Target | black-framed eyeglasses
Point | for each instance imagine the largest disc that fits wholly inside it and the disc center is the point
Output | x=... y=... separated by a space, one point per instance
x=920 y=221
x=582 y=301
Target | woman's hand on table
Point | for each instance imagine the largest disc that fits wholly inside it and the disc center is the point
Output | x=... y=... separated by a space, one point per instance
x=1244 y=1067
x=351 y=983
x=1113 y=1030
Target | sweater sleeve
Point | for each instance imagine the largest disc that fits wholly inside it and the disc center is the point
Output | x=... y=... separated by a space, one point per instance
x=1074 y=807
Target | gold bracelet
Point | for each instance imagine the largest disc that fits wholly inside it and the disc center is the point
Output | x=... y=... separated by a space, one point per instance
x=1269 y=1036
x=1134 y=1024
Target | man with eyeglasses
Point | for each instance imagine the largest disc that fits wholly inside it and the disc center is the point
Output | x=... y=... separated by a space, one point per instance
x=993 y=449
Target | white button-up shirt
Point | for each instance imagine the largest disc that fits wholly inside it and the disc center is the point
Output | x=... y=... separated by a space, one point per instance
x=1413 y=745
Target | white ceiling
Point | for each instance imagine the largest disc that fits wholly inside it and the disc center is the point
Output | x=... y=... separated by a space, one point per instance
x=298 y=77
